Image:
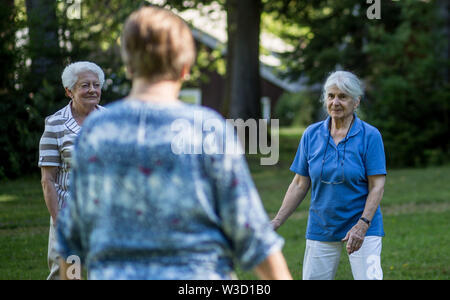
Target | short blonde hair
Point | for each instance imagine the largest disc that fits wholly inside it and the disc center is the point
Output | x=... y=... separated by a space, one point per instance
x=156 y=44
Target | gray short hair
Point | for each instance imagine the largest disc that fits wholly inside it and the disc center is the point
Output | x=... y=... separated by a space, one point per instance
x=346 y=81
x=70 y=74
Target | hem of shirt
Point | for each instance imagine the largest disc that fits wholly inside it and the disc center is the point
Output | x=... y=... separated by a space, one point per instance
x=298 y=172
x=321 y=238
x=376 y=172
x=259 y=259
x=49 y=164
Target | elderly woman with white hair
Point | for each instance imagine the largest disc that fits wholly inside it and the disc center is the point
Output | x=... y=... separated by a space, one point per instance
x=82 y=82
x=342 y=159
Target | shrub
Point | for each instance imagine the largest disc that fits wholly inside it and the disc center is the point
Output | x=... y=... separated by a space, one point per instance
x=298 y=109
x=408 y=93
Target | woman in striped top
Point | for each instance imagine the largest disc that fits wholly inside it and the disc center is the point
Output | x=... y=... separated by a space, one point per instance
x=83 y=82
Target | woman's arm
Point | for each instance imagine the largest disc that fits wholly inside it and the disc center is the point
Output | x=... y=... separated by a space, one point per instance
x=274 y=267
x=355 y=236
x=294 y=196
x=376 y=190
x=48 y=180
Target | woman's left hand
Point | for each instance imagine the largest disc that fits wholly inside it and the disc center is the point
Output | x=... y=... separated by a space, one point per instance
x=355 y=237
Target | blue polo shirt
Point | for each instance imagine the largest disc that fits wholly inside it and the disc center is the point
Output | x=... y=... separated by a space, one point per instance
x=337 y=204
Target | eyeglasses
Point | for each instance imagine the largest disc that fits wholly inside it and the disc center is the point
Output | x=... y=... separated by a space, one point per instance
x=340 y=166
x=87 y=86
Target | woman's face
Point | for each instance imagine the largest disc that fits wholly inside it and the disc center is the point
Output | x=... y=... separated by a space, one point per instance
x=339 y=104
x=87 y=91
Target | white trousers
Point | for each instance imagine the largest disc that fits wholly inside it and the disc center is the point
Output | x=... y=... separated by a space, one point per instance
x=52 y=256
x=322 y=259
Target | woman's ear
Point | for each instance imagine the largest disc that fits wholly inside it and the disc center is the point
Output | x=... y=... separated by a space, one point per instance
x=185 y=73
x=357 y=102
x=69 y=93
x=128 y=73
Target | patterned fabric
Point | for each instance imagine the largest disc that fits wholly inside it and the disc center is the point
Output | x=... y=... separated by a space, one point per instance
x=56 y=144
x=140 y=210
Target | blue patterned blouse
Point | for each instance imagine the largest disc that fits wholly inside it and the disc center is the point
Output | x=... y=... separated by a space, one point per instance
x=141 y=208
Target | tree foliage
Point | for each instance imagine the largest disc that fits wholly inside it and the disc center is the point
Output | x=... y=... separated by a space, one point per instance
x=409 y=95
x=11 y=161
x=38 y=39
x=399 y=57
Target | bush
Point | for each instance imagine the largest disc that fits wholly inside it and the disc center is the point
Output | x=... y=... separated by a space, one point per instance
x=408 y=93
x=298 y=109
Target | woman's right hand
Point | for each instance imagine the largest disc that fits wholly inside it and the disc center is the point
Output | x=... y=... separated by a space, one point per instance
x=275 y=224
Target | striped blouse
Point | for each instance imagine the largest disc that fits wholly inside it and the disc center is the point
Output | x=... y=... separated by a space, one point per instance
x=55 y=147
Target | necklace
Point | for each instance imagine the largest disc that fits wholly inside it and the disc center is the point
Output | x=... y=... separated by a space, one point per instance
x=343 y=156
x=348 y=129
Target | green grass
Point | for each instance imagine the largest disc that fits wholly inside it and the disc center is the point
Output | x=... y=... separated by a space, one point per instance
x=416 y=213
x=415 y=206
x=24 y=222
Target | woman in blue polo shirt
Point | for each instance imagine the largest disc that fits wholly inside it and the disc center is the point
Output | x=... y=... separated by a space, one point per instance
x=342 y=159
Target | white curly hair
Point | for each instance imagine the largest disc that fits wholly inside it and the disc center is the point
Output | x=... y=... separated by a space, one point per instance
x=70 y=74
x=347 y=82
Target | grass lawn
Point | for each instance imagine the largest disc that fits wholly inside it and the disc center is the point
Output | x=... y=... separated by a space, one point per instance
x=416 y=212
x=24 y=225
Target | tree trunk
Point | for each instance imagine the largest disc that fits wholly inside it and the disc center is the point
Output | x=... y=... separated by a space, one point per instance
x=230 y=7
x=44 y=45
x=244 y=78
x=443 y=7
x=7 y=46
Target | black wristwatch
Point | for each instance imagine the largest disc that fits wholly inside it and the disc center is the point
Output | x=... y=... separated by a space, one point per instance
x=365 y=220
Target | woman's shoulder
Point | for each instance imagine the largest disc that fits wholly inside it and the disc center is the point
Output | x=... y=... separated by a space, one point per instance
x=204 y=111
x=100 y=115
x=111 y=106
x=369 y=129
x=177 y=108
x=58 y=117
x=314 y=128
x=316 y=125
x=107 y=109
x=125 y=107
x=194 y=113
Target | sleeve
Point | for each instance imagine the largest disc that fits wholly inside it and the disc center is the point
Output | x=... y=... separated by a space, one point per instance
x=48 y=146
x=300 y=164
x=68 y=230
x=375 y=160
x=242 y=216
